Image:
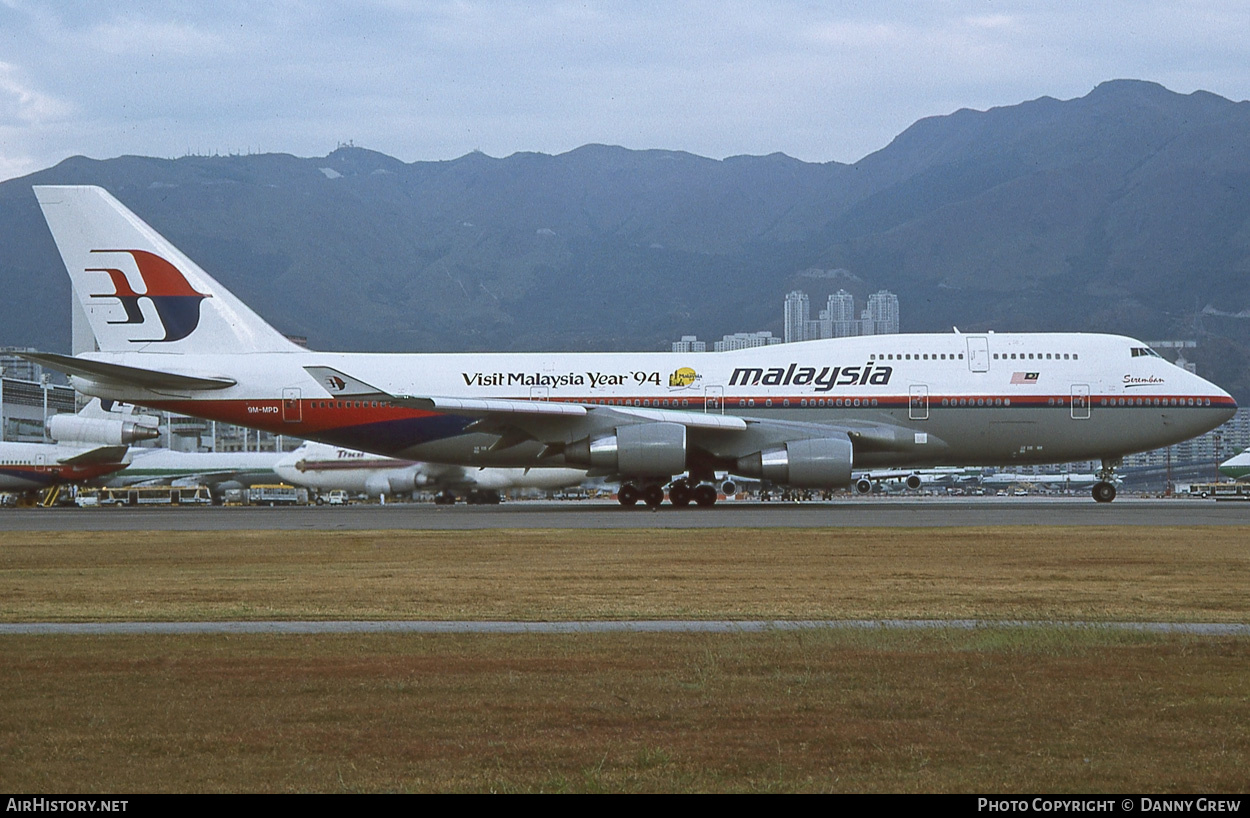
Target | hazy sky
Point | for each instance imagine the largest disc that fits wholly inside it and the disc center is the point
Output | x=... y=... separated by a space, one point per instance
x=435 y=80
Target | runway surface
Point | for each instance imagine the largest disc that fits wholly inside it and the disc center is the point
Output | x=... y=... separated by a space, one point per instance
x=632 y=626
x=889 y=512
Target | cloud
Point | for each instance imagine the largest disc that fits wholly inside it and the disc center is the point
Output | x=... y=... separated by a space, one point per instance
x=435 y=80
x=23 y=105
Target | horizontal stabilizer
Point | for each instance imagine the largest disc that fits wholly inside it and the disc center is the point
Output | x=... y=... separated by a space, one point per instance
x=101 y=454
x=126 y=375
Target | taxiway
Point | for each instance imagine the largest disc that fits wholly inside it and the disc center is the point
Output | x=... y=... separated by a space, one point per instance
x=892 y=513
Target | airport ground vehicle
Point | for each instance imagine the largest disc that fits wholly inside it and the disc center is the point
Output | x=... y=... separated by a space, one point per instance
x=146 y=496
x=799 y=415
x=1221 y=491
x=276 y=494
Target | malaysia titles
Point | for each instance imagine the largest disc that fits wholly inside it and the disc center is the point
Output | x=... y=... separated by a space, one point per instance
x=821 y=380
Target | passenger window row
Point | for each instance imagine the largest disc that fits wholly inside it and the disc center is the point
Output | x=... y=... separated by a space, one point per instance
x=348 y=404
x=1155 y=402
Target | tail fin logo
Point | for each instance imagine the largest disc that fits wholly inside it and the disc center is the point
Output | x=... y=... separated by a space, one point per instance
x=176 y=302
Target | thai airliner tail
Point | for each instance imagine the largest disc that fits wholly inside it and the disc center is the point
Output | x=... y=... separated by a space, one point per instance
x=139 y=292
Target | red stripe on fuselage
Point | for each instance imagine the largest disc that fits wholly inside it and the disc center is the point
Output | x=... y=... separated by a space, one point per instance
x=314 y=416
x=319 y=417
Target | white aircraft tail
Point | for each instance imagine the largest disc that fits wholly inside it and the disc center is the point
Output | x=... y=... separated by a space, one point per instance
x=139 y=292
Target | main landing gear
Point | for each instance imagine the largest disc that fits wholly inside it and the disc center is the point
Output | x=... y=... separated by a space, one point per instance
x=1104 y=490
x=680 y=494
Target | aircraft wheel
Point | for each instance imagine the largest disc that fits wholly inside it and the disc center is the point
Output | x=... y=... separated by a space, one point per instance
x=1103 y=492
x=628 y=496
x=679 y=494
x=653 y=495
x=705 y=496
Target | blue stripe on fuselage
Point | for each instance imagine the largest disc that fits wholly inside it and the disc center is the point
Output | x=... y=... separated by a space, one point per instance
x=389 y=436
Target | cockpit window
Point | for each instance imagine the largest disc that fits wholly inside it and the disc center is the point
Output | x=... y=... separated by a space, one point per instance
x=1145 y=352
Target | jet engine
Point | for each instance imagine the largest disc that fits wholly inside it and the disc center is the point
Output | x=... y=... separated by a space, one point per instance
x=67 y=428
x=377 y=485
x=818 y=463
x=637 y=450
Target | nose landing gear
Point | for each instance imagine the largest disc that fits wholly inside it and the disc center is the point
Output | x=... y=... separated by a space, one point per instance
x=1104 y=490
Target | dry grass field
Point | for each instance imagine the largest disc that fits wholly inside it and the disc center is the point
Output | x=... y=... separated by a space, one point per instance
x=1050 y=709
x=1095 y=574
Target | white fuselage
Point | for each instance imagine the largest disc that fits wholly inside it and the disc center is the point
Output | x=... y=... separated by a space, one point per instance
x=165 y=466
x=952 y=399
x=328 y=468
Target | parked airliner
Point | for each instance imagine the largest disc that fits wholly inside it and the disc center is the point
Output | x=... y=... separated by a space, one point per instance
x=802 y=415
x=326 y=468
x=1237 y=467
x=34 y=466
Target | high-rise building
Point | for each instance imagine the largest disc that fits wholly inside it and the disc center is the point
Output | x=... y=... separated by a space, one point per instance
x=838 y=319
x=745 y=340
x=689 y=343
x=797 y=316
x=840 y=316
x=841 y=306
x=882 y=311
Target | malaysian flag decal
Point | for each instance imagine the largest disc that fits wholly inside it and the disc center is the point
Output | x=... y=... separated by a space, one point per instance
x=1024 y=377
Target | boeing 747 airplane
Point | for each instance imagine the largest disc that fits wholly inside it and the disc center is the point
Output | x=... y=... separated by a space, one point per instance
x=802 y=415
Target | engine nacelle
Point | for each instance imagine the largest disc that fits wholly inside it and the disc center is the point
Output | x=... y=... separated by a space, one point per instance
x=377 y=485
x=67 y=428
x=821 y=463
x=863 y=485
x=913 y=481
x=637 y=450
x=402 y=482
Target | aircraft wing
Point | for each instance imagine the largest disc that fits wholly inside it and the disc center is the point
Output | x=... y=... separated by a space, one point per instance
x=510 y=412
x=579 y=432
x=100 y=454
x=127 y=375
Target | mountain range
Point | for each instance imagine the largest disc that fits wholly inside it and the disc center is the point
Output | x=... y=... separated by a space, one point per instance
x=1126 y=210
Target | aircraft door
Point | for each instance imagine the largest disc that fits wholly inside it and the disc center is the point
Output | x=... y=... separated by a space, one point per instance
x=714 y=400
x=292 y=407
x=1080 y=401
x=918 y=402
x=978 y=353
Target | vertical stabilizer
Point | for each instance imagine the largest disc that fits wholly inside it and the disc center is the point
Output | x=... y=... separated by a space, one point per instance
x=138 y=291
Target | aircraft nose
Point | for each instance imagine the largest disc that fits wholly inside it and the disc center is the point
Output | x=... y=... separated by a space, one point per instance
x=1223 y=406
